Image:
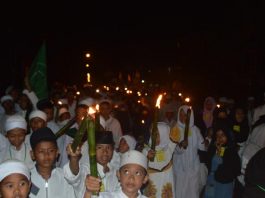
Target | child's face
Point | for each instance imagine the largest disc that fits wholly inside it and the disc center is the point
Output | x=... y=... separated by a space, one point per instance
x=221 y=138
x=16 y=137
x=81 y=112
x=15 y=186
x=37 y=123
x=123 y=146
x=240 y=115
x=45 y=154
x=105 y=109
x=49 y=112
x=132 y=177
x=182 y=116
x=104 y=153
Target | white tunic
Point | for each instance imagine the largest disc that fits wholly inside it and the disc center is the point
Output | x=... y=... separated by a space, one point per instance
x=23 y=154
x=186 y=163
x=55 y=187
x=3 y=145
x=109 y=179
x=254 y=143
x=118 y=194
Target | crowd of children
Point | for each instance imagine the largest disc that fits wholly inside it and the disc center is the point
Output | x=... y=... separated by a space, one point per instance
x=213 y=152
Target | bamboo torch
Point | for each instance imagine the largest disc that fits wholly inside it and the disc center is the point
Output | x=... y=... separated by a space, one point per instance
x=79 y=134
x=91 y=140
x=186 y=130
x=154 y=125
x=63 y=130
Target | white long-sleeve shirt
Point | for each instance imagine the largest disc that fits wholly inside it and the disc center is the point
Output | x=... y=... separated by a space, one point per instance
x=55 y=187
x=118 y=194
x=109 y=179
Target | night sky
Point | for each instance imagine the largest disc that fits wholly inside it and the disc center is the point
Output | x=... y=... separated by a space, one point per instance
x=208 y=47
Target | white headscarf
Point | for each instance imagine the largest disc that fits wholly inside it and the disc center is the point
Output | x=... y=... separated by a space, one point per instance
x=185 y=109
x=163 y=130
x=130 y=141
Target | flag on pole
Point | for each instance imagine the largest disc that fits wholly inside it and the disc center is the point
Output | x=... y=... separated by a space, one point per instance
x=38 y=74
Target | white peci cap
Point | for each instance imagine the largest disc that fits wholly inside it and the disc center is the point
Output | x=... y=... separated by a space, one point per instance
x=13 y=166
x=15 y=121
x=134 y=157
x=38 y=114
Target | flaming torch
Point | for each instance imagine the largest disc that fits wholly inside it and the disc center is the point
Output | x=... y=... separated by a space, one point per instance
x=154 y=125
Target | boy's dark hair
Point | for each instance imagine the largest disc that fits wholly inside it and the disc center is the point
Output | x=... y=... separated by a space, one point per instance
x=42 y=134
x=44 y=104
x=104 y=137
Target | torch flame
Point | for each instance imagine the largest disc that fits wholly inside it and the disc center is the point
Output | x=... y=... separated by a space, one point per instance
x=159 y=100
x=59 y=102
x=91 y=110
x=97 y=107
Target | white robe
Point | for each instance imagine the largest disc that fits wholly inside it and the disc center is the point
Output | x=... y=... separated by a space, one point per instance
x=186 y=162
x=4 y=143
x=254 y=143
x=55 y=187
x=23 y=154
x=118 y=194
x=109 y=179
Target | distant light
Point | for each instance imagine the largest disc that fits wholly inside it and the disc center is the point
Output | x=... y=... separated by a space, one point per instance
x=187 y=99
x=145 y=94
x=142 y=121
x=142 y=81
x=59 y=102
x=128 y=91
x=139 y=93
x=218 y=106
x=117 y=88
x=88 y=55
x=139 y=101
x=88 y=77
x=165 y=93
x=78 y=93
x=97 y=90
x=87 y=65
x=125 y=88
x=180 y=94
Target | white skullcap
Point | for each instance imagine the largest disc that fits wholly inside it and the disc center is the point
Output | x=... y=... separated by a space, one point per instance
x=38 y=114
x=134 y=157
x=62 y=110
x=15 y=121
x=13 y=166
x=130 y=141
x=6 y=98
x=87 y=101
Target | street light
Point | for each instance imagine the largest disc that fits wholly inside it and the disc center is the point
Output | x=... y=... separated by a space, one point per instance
x=88 y=55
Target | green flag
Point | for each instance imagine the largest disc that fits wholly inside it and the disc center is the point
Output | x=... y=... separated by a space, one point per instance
x=38 y=74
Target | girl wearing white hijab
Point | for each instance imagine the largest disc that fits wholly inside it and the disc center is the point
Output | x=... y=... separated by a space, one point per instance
x=160 y=170
x=186 y=163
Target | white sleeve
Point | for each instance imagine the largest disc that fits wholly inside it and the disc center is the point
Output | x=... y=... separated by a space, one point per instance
x=168 y=156
x=77 y=181
x=32 y=96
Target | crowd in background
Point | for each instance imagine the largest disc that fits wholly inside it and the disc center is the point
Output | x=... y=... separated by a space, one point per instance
x=212 y=161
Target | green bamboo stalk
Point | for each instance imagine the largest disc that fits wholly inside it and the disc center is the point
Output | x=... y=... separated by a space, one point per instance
x=154 y=132
x=63 y=130
x=79 y=135
x=91 y=140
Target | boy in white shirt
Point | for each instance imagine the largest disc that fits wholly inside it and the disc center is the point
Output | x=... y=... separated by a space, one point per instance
x=132 y=175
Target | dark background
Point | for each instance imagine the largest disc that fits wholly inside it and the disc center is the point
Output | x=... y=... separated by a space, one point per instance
x=207 y=47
